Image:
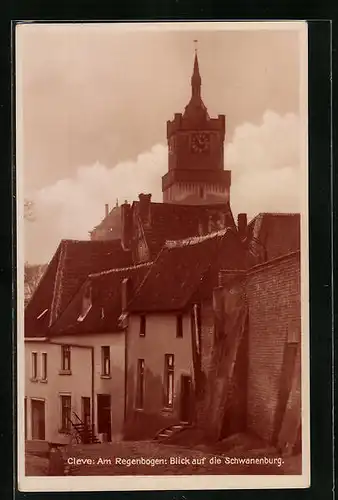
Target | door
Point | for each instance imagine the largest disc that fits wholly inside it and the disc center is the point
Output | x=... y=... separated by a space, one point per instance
x=104 y=415
x=86 y=411
x=186 y=398
x=38 y=419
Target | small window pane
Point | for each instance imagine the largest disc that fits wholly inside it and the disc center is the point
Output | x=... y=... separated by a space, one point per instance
x=44 y=366
x=34 y=365
x=142 y=326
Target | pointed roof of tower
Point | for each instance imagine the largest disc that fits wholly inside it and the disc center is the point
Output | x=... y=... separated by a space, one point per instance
x=196 y=80
x=196 y=108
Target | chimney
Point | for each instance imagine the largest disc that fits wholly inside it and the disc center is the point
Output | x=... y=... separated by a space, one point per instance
x=126 y=223
x=242 y=224
x=145 y=203
x=106 y=207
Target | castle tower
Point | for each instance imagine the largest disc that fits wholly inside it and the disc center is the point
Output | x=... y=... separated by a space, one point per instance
x=196 y=172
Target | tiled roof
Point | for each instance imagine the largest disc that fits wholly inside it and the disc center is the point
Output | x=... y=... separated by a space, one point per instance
x=170 y=221
x=65 y=274
x=106 y=306
x=274 y=234
x=185 y=268
x=110 y=225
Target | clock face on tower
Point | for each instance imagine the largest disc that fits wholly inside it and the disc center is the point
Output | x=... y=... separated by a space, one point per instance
x=200 y=142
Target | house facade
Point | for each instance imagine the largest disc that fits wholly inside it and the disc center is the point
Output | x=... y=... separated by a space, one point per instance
x=75 y=310
x=72 y=380
x=59 y=387
x=107 y=402
x=163 y=334
x=159 y=373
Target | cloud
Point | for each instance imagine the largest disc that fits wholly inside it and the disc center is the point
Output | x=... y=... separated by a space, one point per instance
x=264 y=160
x=71 y=207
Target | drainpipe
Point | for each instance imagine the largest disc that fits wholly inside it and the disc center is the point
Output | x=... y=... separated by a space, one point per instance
x=125 y=372
x=125 y=296
x=93 y=390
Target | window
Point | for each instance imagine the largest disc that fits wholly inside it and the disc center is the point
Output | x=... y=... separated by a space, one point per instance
x=66 y=403
x=65 y=358
x=179 y=326
x=105 y=360
x=34 y=365
x=168 y=380
x=201 y=192
x=140 y=384
x=44 y=366
x=142 y=326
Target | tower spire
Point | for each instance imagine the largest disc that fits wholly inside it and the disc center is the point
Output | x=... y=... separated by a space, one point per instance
x=196 y=109
x=196 y=80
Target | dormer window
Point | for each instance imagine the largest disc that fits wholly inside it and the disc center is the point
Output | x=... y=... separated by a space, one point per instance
x=86 y=303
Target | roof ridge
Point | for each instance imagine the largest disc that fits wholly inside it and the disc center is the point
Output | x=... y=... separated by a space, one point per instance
x=100 y=242
x=119 y=269
x=274 y=213
x=194 y=240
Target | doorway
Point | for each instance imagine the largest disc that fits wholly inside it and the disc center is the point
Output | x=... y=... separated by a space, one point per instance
x=104 y=415
x=85 y=413
x=186 y=399
x=38 y=419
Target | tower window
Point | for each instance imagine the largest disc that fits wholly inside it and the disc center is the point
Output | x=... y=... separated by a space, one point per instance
x=201 y=192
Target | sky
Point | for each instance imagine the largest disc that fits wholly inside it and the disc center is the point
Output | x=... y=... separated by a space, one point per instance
x=93 y=105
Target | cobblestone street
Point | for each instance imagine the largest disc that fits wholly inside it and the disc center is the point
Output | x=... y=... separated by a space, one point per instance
x=150 y=458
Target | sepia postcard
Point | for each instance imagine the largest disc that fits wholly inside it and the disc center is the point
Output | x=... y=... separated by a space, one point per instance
x=162 y=193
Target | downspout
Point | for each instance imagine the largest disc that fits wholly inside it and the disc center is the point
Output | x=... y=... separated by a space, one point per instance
x=124 y=323
x=125 y=371
x=93 y=390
